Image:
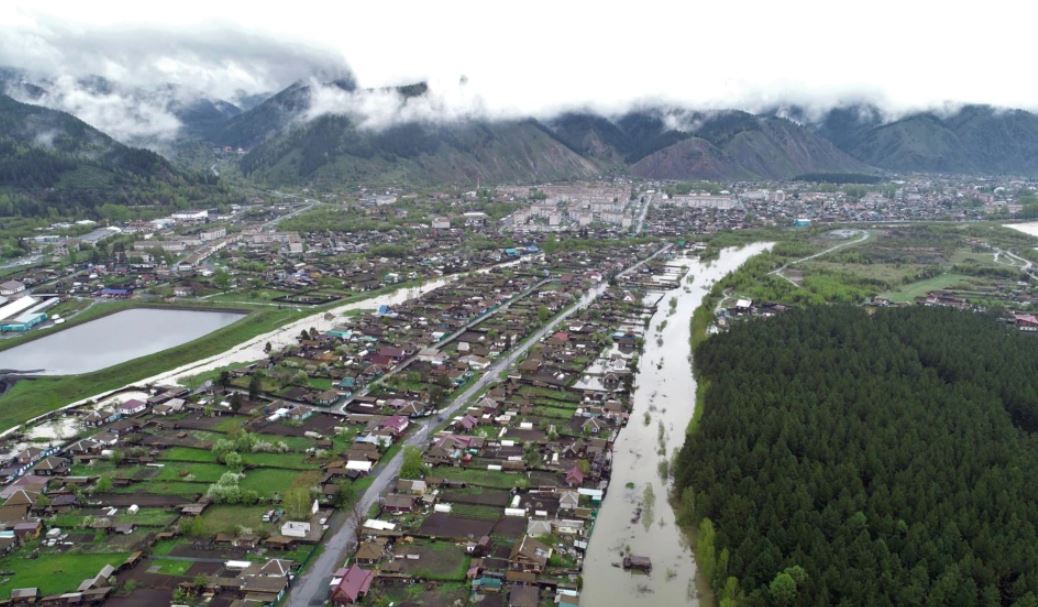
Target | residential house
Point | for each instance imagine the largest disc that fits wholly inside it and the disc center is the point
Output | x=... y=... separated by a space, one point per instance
x=371 y=551
x=395 y=425
x=574 y=476
x=52 y=466
x=131 y=407
x=529 y=554
x=11 y=287
x=523 y=595
x=398 y=503
x=353 y=586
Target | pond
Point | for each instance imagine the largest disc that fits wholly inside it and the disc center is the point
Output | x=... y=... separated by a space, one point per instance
x=113 y=339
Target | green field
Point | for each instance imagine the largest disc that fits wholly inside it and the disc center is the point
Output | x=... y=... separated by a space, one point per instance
x=485 y=478
x=171 y=567
x=187 y=454
x=288 y=461
x=227 y=518
x=52 y=573
x=197 y=473
x=148 y=517
x=295 y=443
x=909 y=292
x=294 y=461
x=554 y=412
x=490 y=513
x=268 y=481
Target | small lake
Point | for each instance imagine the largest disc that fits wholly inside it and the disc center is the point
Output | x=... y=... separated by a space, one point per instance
x=113 y=339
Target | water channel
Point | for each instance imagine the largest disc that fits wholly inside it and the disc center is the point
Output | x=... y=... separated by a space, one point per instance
x=664 y=395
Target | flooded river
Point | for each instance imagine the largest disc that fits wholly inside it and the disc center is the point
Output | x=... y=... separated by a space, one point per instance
x=663 y=400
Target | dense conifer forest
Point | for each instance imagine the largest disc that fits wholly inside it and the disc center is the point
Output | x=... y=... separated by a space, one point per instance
x=844 y=458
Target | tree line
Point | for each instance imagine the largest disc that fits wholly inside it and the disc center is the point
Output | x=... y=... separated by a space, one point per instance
x=849 y=458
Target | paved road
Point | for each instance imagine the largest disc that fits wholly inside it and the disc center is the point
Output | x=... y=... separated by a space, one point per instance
x=311 y=588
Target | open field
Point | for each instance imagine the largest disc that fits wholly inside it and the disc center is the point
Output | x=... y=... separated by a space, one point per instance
x=908 y=293
x=437 y=561
x=227 y=518
x=484 y=478
x=268 y=481
x=52 y=573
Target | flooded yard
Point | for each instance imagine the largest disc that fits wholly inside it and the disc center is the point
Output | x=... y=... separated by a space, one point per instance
x=636 y=515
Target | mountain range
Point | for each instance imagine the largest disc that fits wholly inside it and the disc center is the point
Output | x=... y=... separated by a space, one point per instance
x=287 y=142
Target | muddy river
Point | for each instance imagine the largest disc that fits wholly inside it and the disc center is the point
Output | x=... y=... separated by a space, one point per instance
x=663 y=400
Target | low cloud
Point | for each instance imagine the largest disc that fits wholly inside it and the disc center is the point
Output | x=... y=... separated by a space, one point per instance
x=129 y=82
x=157 y=60
x=124 y=114
x=377 y=109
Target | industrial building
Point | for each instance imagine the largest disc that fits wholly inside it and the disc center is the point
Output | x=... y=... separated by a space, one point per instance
x=23 y=322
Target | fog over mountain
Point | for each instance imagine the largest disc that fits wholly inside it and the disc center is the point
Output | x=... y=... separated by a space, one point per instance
x=319 y=94
x=136 y=83
x=541 y=61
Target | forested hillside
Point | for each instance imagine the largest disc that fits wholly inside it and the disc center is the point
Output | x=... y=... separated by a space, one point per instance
x=333 y=150
x=849 y=459
x=54 y=163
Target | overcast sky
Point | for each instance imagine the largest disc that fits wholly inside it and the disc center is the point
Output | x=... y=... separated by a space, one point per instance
x=521 y=57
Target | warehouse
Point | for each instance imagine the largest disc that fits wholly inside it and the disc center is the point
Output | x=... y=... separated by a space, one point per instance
x=23 y=322
x=16 y=307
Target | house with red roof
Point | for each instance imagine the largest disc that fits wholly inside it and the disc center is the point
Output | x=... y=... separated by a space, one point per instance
x=574 y=477
x=395 y=424
x=353 y=586
x=131 y=407
x=467 y=422
x=1026 y=322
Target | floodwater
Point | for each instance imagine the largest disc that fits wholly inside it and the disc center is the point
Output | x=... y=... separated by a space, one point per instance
x=1030 y=228
x=665 y=390
x=113 y=339
x=254 y=349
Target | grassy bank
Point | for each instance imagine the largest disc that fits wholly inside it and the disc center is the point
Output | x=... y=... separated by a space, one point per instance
x=100 y=310
x=31 y=398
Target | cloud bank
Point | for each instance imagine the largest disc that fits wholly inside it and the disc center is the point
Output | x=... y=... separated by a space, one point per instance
x=131 y=83
x=534 y=58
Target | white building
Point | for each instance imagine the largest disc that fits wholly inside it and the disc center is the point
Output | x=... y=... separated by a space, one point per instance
x=295 y=529
x=189 y=216
x=11 y=287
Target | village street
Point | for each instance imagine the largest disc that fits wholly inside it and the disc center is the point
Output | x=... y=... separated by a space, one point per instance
x=311 y=588
x=447 y=339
